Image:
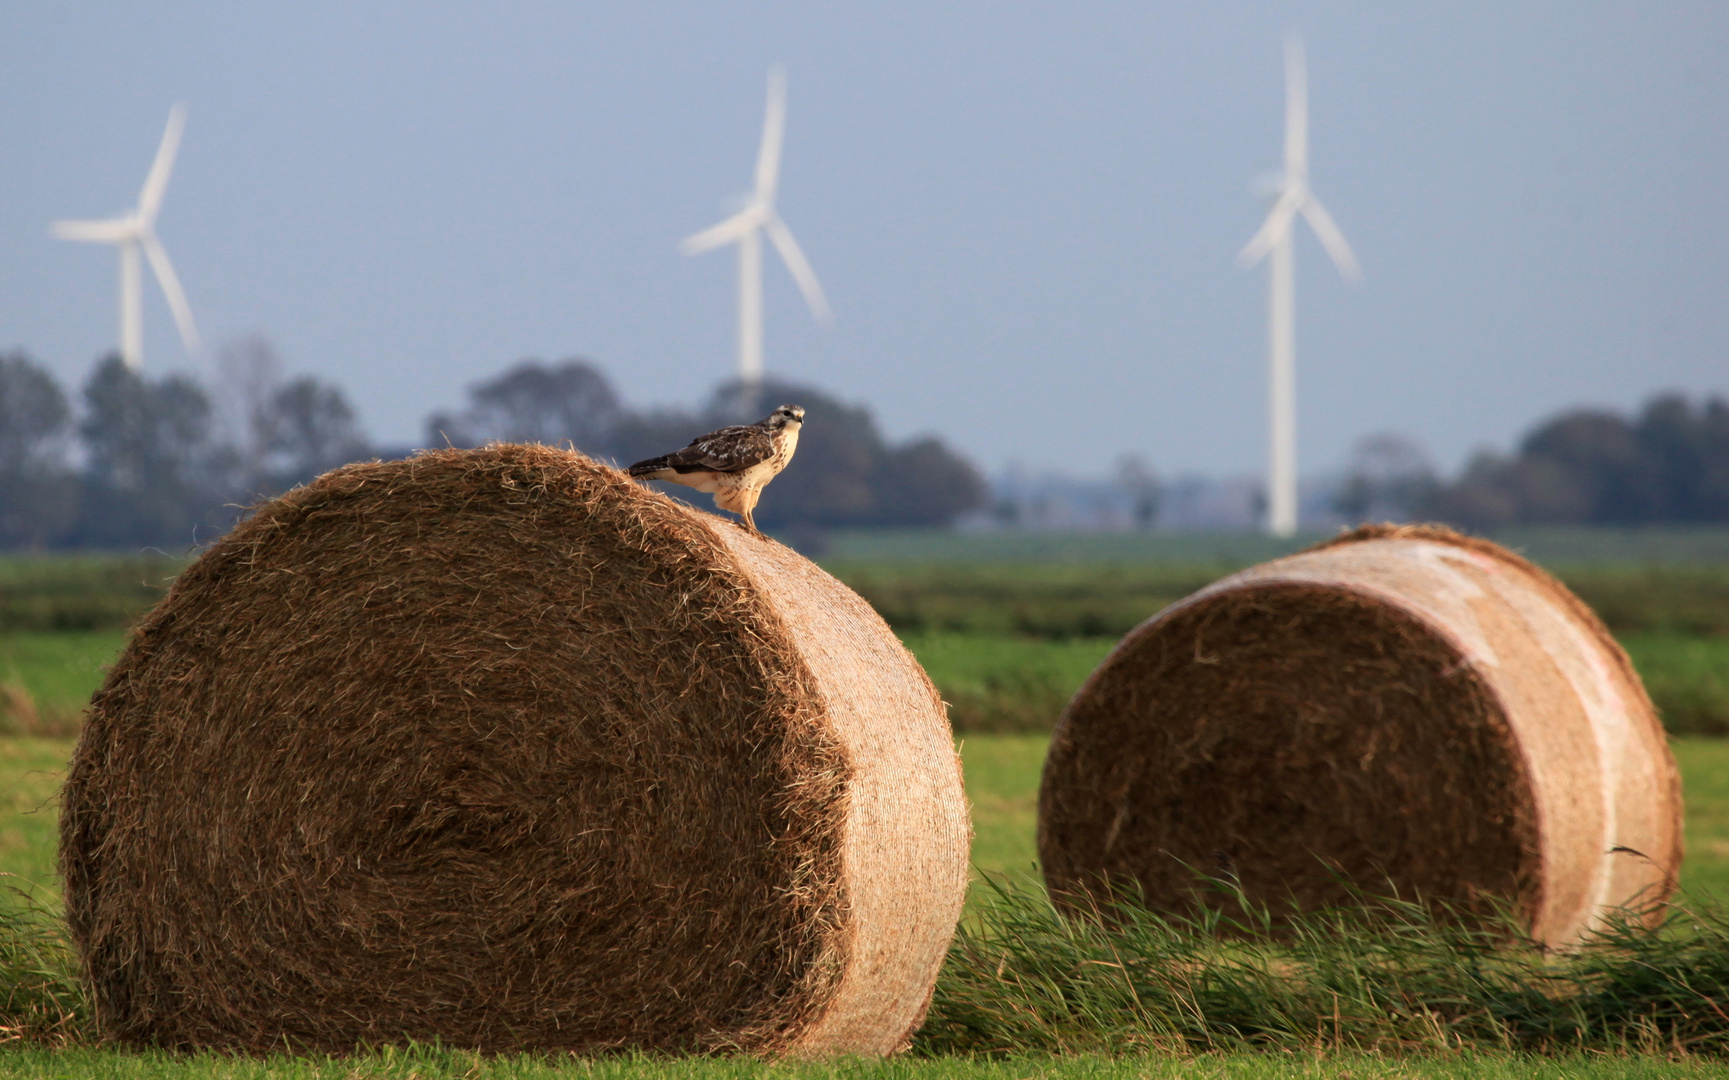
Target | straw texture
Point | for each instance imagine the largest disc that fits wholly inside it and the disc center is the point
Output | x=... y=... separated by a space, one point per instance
x=499 y=749
x=1400 y=706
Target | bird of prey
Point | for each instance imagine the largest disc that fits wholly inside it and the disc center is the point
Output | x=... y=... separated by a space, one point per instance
x=732 y=464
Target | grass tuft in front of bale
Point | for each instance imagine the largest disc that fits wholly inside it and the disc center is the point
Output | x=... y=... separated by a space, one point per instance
x=1382 y=978
x=41 y=1000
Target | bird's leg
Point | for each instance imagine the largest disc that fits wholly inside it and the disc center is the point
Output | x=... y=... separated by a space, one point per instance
x=748 y=500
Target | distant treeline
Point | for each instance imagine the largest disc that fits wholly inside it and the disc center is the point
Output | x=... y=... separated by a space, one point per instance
x=846 y=473
x=1669 y=464
x=148 y=462
x=140 y=462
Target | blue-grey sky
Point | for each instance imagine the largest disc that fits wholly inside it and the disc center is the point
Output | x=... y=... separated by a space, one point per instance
x=1025 y=215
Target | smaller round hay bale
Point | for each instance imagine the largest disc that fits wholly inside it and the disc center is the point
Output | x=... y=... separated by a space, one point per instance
x=1401 y=706
x=499 y=749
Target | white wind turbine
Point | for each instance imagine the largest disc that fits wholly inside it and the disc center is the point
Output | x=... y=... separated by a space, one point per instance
x=746 y=228
x=1278 y=237
x=133 y=232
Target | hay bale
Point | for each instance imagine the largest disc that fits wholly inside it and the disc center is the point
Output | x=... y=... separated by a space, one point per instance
x=1399 y=705
x=500 y=749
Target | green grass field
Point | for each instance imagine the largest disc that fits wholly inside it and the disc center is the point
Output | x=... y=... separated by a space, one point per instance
x=992 y=682
x=1687 y=678
x=79 y=592
x=1007 y=683
x=1007 y=644
x=1002 y=775
x=31 y=770
x=1007 y=634
x=57 y=673
x=431 y=1064
x=999 y=683
x=1002 y=778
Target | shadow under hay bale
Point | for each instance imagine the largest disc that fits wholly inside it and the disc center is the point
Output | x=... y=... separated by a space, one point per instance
x=497 y=748
x=1400 y=707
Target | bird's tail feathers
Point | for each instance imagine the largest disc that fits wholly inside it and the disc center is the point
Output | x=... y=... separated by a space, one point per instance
x=649 y=467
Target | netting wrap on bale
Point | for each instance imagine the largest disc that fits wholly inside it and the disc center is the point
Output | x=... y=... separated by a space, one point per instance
x=1401 y=707
x=499 y=749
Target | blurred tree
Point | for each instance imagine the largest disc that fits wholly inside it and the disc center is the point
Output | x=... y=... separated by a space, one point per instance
x=154 y=472
x=33 y=415
x=248 y=372
x=646 y=434
x=145 y=448
x=1389 y=478
x=1711 y=498
x=1137 y=478
x=38 y=493
x=1480 y=498
x=1597 y=454
x=305 y=428
x=533 y=402
x=1496 y=491
x=1589 y=466
x=923 y=483
x=1670 y=439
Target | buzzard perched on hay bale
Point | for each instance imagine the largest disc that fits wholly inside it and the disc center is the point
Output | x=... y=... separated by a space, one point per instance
x=732 y=464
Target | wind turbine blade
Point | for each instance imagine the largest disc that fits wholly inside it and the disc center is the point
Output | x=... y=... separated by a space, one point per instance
x=150 y=198
x=732 y=230
x=773 y=129
x=1296 y=111
x=799 y=266
x=1278 y=221
x=113 y=231
x=1332 y=239
x=170 y=283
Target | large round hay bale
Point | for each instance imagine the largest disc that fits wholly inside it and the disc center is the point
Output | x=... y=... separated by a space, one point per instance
x=1399 y=707
x=499 y=749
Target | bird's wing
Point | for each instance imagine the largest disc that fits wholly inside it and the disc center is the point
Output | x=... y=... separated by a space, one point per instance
x=731 y=449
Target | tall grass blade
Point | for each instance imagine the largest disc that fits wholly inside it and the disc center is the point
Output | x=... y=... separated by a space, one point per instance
x=1387 y=976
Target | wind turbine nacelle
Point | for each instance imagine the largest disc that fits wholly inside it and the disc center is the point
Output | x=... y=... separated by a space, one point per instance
x=1268 y=186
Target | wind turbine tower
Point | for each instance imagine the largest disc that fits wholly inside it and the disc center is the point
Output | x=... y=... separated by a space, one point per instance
x=135 y=232
x=1277 y=238
x=746 y=229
